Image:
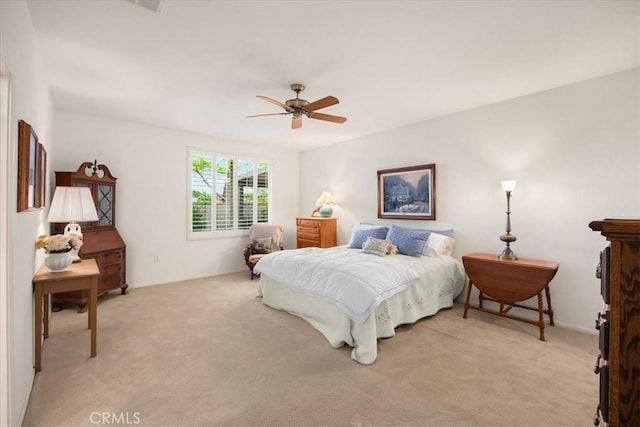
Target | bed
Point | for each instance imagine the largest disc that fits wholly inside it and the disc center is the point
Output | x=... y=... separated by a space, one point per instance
x=353 y=296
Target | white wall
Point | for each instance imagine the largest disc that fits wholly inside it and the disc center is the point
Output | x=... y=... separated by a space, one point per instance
x=151 y=166
x=30 y=101
x=574 y=151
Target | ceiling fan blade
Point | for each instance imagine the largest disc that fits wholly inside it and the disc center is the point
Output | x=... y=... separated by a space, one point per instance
x=270 y=114
x=296 y=123
x=327 y=101
x=273 y=101
x=327 y=117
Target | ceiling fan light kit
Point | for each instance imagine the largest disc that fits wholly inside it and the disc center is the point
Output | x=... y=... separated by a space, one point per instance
x=298 y=107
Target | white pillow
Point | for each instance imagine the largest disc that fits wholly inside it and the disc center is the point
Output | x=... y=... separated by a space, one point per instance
x=442 y=245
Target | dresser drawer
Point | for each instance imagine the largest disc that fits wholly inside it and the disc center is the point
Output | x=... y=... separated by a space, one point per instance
x=308 y=223
x=308 y=233
x=112 y=280
x=302 y=243
x=113 y=257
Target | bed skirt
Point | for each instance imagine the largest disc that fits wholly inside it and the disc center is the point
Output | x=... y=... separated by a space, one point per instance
x=405 y=307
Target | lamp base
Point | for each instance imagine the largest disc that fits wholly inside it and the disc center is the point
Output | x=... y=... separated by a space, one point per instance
x=74 y=255
x=507 y=254
x=326 y=211
x=75 y=229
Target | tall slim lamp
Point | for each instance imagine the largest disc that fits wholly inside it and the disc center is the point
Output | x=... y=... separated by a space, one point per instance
x=72 y=205
x=508 y=186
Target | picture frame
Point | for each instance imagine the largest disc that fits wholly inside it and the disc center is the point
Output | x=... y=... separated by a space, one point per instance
x=407 y=193
x=41 y=179
x=31 y=178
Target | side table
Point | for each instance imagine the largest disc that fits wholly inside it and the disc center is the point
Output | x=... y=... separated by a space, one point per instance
x=79 y=276
x=508 y=282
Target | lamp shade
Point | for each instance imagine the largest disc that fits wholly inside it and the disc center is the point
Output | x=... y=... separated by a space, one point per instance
x=326 y=198
x=508 y=185
x=72 y=204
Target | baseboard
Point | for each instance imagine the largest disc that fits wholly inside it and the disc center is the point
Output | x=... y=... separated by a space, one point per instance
x=25 y=403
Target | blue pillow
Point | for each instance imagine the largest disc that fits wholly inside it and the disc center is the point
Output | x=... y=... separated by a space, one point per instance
x=409 y=241
x=361 y=235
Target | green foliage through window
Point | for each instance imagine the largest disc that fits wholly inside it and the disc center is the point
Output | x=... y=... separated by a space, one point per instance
x=241 y=188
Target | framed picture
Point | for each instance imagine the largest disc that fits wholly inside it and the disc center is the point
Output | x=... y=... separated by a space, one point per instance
x=407 y=193
x=41 y=178
x=30 y=177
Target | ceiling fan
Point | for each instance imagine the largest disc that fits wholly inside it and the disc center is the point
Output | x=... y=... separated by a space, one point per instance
x=301 y=107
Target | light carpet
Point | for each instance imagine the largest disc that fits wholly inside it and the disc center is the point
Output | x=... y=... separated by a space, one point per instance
x=207 y=352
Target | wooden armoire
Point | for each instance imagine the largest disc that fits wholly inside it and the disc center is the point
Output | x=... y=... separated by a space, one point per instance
x=101 y=239
x=618 y=363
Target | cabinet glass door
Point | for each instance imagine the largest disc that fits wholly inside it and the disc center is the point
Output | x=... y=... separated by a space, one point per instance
x=105 y=205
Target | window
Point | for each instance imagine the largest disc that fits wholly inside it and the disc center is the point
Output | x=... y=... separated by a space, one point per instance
x=228 y=193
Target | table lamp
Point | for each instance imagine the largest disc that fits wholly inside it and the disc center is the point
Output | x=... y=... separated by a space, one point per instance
x=324 y=203
x=72 y=205
x=508 y=186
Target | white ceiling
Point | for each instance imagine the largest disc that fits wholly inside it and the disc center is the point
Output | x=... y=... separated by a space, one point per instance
x=198 y=65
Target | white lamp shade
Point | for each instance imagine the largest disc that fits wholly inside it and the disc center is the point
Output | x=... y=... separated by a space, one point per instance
x=326 y=198
x=72 y=204
x=508 y=185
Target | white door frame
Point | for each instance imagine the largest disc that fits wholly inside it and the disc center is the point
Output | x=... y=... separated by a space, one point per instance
x=6 y=334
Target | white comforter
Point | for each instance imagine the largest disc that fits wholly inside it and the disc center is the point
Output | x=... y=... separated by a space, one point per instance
x=354 y=281
x=442 y=278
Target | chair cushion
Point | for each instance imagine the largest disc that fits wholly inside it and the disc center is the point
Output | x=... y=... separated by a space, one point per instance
x=261 y=231
x=255 y=258
x=262 y=245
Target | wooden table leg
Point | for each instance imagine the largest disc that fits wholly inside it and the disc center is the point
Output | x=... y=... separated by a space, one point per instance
x=38 y=328
x=466 y=303
x=93 y=314
x=47 y=298
x=541 y=316
x=549 y=308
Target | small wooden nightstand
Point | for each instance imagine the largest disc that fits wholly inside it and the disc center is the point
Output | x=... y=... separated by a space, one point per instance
x=316 y=232
x=510 y=282
x=79 y=276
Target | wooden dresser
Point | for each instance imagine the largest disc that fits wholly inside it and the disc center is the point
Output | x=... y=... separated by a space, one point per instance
x=618 y=363
x=316 y=231
x=101 y=240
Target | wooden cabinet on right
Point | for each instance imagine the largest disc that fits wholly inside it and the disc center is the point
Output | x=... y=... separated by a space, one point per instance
x=619 y=324
x=316 y=232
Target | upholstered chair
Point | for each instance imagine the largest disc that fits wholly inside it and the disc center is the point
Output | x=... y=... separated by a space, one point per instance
x=264 y=239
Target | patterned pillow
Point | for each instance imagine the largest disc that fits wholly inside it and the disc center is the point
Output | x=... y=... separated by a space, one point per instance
x=409 y=241
x=378 y=247
x=361 y=234
x=262 y=245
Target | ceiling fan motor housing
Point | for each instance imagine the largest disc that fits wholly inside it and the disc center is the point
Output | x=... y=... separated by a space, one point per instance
x=296 y=103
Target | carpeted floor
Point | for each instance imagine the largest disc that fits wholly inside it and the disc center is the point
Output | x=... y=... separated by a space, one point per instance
x=209 y=353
